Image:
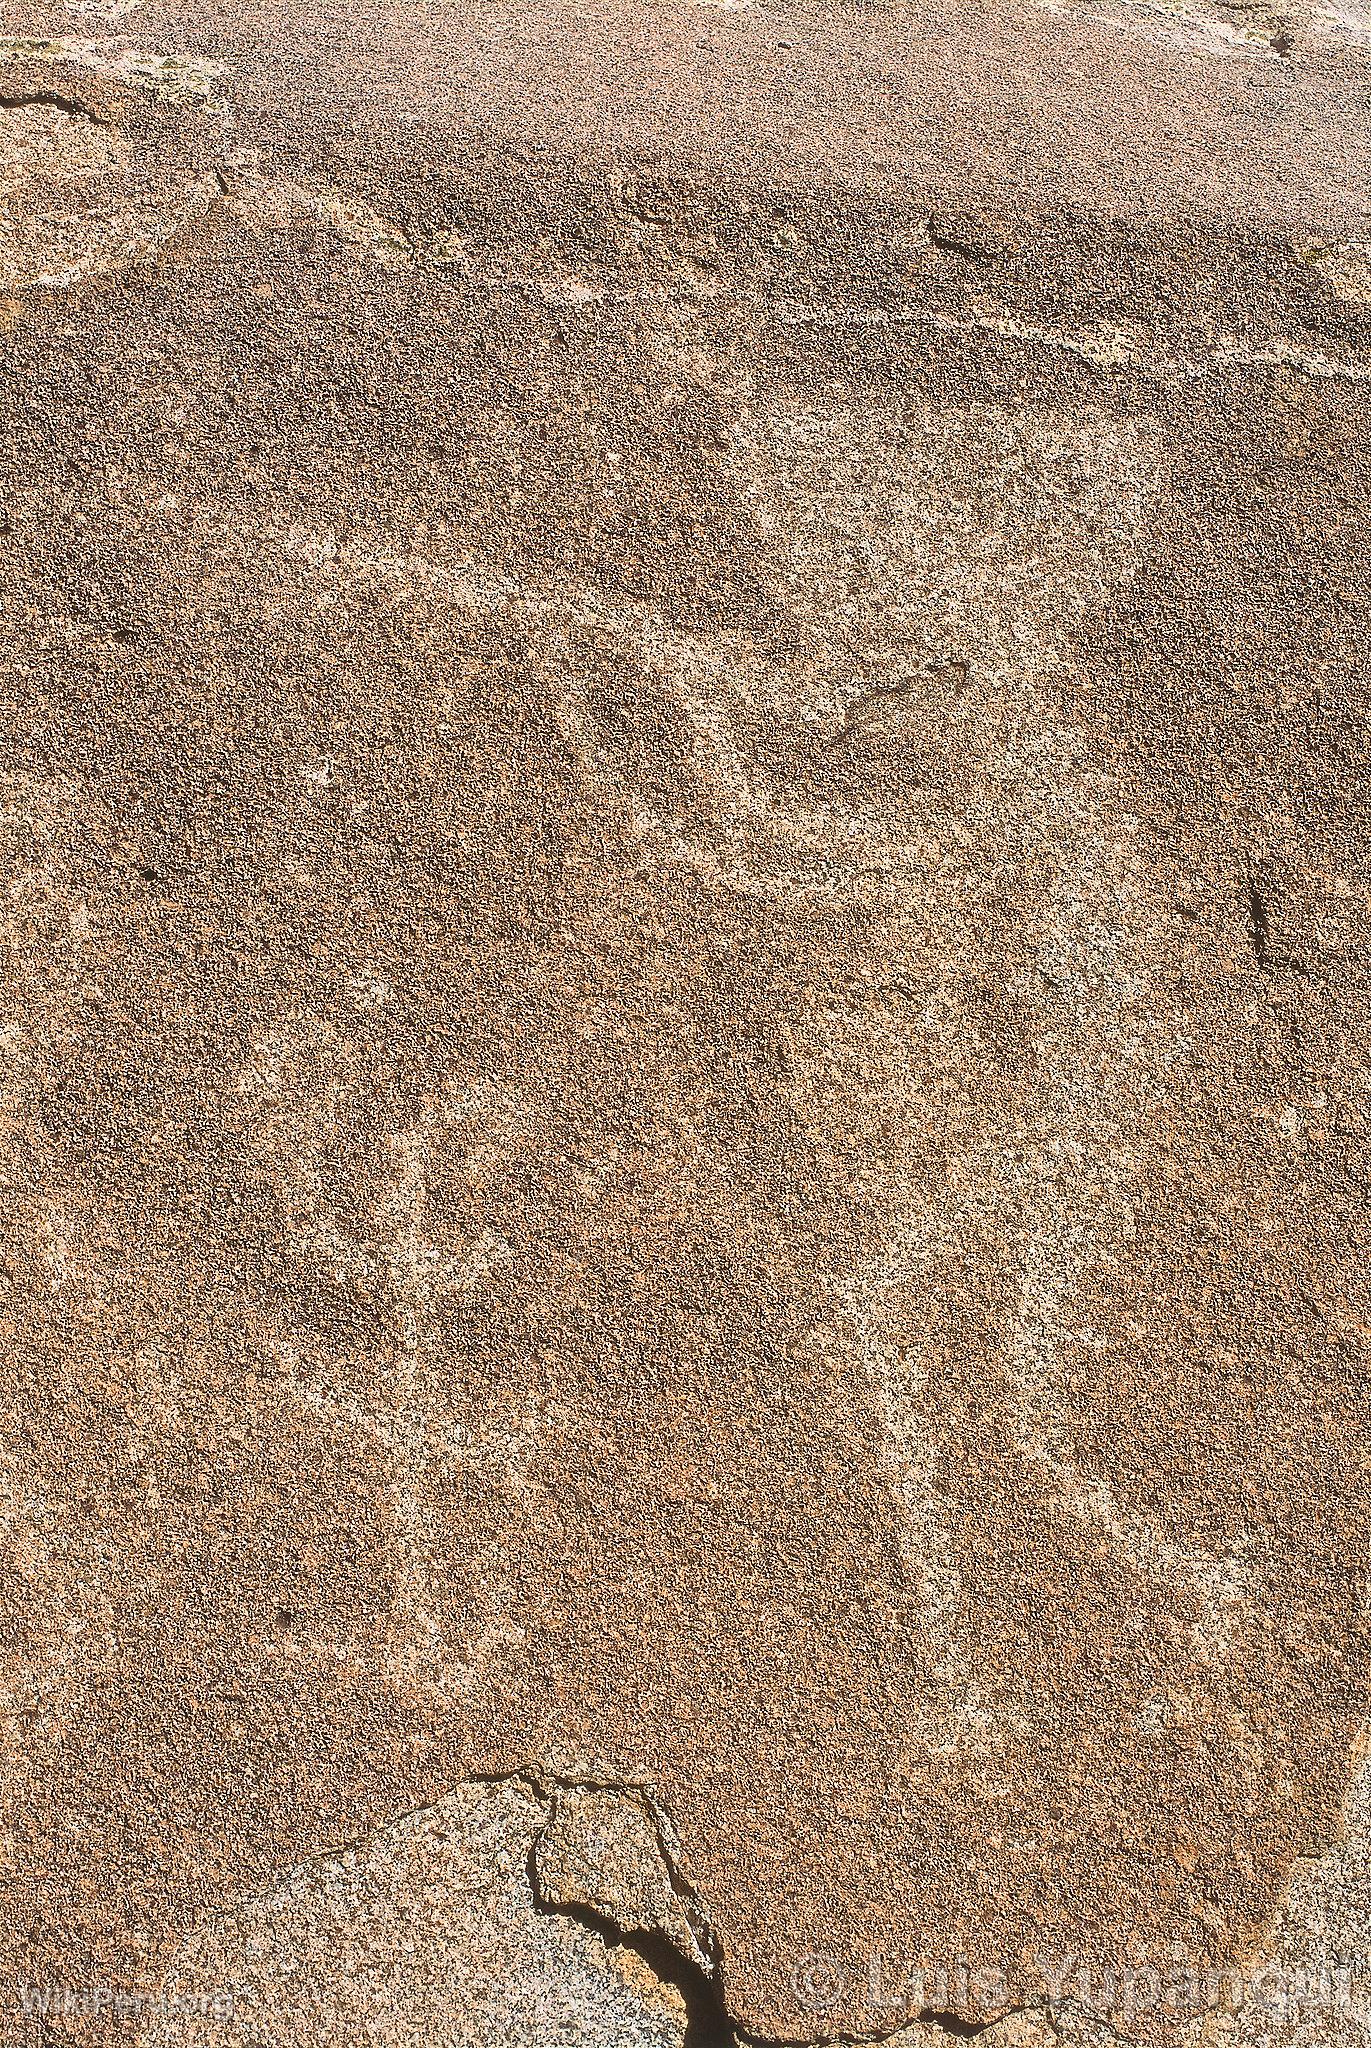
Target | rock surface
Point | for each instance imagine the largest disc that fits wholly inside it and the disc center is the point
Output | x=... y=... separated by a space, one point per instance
x=427 y=1932
x=685 y=902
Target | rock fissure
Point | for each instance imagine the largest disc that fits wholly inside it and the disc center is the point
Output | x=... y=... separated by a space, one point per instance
x=595 y=1854
x=699 y=1978
x=707 y=2023
x=61 y=103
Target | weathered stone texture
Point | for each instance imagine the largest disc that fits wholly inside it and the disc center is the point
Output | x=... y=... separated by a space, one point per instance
x=685 y=902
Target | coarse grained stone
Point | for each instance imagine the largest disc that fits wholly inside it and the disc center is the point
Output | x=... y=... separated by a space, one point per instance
x=685 y=893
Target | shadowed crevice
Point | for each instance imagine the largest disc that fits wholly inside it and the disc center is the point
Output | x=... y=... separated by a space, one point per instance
x=11 y=102
x=707 y=2023
x=699 y=1983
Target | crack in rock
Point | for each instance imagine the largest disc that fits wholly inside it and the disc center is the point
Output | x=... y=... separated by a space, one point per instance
x=604 y=1849
x=180 y=79
x=83 y=192
x=426 y=1932
x=72 y=202
x=539 y=1912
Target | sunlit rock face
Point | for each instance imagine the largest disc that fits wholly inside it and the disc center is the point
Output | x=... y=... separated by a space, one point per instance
x=685 y=907
x=429 y=1931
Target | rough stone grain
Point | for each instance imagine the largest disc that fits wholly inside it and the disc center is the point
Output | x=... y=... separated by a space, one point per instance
x=686 y=911
x=427 y=1933
x=603 y=1852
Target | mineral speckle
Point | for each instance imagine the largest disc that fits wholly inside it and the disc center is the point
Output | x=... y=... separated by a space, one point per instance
x=685 y=916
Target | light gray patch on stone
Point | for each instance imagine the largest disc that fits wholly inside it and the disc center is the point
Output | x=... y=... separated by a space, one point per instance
x=73 y=204
x=1345 y=268
x=1311 y=1987
x=1239 y=26
x=180 y=79
x=425 y=1935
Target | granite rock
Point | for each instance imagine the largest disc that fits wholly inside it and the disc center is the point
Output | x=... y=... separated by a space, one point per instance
x=683 y=1141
